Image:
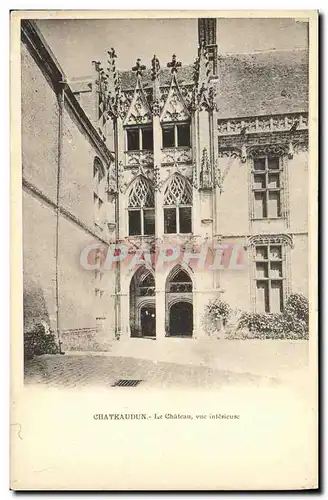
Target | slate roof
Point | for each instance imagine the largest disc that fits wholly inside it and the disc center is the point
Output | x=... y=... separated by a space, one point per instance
x=263 y=83
x=128 y=78
x=260 y=83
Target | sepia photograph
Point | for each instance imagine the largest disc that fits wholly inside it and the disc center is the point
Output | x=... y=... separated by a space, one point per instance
x=167 y=193
x=165 y=200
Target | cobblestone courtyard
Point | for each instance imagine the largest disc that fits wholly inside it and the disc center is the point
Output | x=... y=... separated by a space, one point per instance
x=173 y=364
x=97 y=370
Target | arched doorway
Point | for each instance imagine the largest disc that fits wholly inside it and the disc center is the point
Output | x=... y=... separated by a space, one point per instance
x=142 y=304
x=179 y=304
x=181 y=319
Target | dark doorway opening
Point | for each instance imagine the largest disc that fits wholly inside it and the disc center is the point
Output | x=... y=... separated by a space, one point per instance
x=181 y=319
x=148 y=321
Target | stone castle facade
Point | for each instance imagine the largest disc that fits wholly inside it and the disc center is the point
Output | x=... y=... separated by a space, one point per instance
x=214 y=153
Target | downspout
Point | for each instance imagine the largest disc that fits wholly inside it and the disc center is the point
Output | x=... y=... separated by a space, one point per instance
x=61 y=101
x=117 y=235
x=214 y=207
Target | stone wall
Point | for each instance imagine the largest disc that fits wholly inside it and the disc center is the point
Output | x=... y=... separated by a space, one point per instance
x=85 y=319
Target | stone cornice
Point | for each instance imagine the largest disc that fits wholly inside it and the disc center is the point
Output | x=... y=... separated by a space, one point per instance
x=288 y=122
x=265 y=239
x=243 y=146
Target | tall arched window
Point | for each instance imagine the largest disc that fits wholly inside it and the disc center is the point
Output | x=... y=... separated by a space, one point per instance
x=141 y=208
x=177 y=205
x=98 y=191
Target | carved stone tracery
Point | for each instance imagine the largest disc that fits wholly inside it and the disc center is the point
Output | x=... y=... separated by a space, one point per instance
x=265 y=123
x=139 y=111
x=206 y=178
x=178 y=191
x=176 y=155
x=204 y=92
x=141 y=192
x=175 y=108
x=142 y=157
x=266 y=239
x=270 y=149
x=157 y=178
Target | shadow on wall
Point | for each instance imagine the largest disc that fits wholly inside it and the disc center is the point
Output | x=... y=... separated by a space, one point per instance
x=34 y=306
x=38 y=338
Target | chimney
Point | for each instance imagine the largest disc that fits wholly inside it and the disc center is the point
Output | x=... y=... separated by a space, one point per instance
x=207 y=36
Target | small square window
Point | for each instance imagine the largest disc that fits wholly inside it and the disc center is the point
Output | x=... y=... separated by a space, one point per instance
x=259 y=163
x=273 y=163
x=261 y=269
x=275 y=252
x=261 y=253
x=134 y=222
x=147 y=138
x=274 y=181
x=168 y=136
x=276 y=269
x=149 y=221
x=260 y=206
x=132 y=139
x=185 y=219
x=183 y=135
x=274 y=204
x=170 y=220
x=259 y=181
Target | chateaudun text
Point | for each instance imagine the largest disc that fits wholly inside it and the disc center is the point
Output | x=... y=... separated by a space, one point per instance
x=162 y=416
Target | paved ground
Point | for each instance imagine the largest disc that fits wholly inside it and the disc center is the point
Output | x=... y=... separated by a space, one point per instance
x=175 y=363
x=266 y=358
x=73 y=370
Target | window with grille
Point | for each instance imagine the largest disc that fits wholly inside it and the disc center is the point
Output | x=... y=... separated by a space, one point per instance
x=139 y=138
x=267 y=189
x=269 y=277
x=141 y=208
x=146 y=285
x=178 y=206
x=176 y=135
x=98 y=192
x=181 y=283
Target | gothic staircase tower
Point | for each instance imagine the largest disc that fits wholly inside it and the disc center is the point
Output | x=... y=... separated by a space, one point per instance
x=205 y=151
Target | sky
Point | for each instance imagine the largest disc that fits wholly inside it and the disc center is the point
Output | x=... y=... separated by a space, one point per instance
x=77 y=42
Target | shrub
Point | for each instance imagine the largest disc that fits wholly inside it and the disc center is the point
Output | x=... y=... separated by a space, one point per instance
x=216 y=314
x=292 y=323
x=39 y=340
x=295 y=327
x=266 y=325
x=297 y=306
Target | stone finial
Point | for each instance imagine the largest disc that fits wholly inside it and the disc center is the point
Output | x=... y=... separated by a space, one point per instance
x=97 y=65
x=138 y=68
x=155 y=67
x=111 y=60
x=174 y=64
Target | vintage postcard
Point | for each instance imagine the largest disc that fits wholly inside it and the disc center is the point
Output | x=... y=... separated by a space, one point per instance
x=164 y=250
